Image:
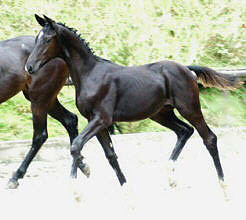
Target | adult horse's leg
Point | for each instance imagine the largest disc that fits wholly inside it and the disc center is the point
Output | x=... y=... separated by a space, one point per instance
x=66 y=118
x=106 y=142
x=40 y=135
x=42 y=92
x=183 y=132
x=70 y=122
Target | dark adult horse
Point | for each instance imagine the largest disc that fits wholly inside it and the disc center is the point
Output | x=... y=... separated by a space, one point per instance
x=41 y=90
x=107 y=92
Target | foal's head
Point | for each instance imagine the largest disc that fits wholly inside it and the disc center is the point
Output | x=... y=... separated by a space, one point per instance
x=46 y=45
x=55 y=40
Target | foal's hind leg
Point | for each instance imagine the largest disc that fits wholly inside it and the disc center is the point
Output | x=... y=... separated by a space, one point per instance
x=39 y=137
x=70 y=122
x=195 y=117
x=183 y=132
x=106 y=142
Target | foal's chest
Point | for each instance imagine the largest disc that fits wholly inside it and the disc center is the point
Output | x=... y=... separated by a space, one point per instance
x=86 y=101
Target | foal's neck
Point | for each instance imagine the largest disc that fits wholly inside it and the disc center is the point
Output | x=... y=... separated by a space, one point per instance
x=79 y=57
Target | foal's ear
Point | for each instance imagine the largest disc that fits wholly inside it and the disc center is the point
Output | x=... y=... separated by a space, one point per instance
x=49 y=21
x=40 y=20
x=52 y=23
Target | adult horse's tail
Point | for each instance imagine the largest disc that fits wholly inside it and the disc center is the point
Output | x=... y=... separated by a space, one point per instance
x=211 y=78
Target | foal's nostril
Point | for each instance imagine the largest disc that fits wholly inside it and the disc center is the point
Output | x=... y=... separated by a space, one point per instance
x=29 y=69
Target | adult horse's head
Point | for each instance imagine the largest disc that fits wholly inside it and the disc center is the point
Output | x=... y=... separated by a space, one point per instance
x=46 y=45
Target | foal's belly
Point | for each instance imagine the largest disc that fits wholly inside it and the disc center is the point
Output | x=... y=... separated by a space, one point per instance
x=133 y=109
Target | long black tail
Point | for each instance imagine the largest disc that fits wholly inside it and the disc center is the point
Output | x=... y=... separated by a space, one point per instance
x=211 y=78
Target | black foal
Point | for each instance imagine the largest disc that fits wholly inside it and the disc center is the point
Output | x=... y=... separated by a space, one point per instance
x=107 y=92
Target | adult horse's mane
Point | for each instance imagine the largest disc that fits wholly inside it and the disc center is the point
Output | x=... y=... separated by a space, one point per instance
x=83 y=42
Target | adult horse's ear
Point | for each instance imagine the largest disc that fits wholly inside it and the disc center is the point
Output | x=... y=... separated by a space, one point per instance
x=40 y=20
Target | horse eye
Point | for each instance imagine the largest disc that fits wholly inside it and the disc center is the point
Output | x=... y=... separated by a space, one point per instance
x=48 y=40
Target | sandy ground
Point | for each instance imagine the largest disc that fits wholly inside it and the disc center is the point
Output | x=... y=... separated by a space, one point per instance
x=47 y=192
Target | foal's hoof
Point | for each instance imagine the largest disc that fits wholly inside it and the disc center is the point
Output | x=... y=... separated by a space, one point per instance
x=12 y=184
x=73 y=173
x=122 y=179
x=85 y=169
x=224 y=188
x=78 y=163
x=172 y=183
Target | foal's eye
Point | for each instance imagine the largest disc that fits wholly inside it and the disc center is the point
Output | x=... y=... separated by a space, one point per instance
x=48 y=40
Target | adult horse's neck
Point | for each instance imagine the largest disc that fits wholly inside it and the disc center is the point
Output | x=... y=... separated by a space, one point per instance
x=77 y=54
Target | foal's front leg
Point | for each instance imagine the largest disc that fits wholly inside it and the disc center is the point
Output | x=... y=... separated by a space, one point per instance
x=93 y=127
x=70 y=122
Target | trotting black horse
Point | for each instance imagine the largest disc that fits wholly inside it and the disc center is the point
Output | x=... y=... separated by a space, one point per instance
x=107 y=92
x=40 y=89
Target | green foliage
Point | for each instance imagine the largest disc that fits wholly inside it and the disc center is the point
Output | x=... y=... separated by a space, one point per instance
x=141 y=126
x=224 y=108
x=205 y=32
x=137 y=32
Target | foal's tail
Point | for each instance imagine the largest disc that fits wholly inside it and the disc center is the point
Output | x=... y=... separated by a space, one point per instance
x=211 y=78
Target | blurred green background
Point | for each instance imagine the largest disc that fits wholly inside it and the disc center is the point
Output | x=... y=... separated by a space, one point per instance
x=132 y=32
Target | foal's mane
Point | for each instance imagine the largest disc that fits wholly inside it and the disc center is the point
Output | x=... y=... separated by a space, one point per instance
x=78 y=36
x=83 y=42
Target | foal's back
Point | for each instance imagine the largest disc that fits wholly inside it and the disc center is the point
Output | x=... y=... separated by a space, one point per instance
x=144 y=90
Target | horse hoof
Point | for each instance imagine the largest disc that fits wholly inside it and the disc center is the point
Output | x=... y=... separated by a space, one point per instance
x=224 y=188
x=172 y=183
x=73 y=173
x=171 y=174
x=12 y=184
x=122 y=179
x=86 y=170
